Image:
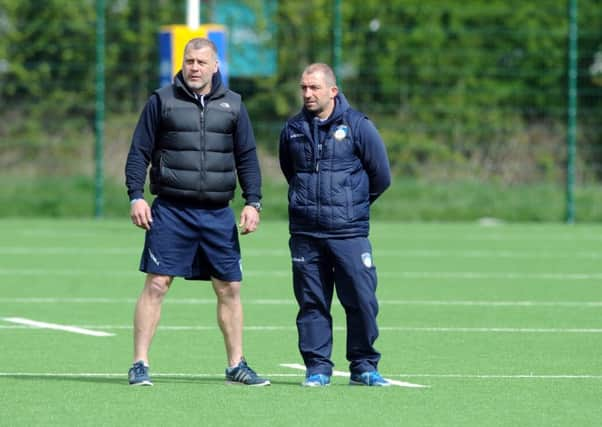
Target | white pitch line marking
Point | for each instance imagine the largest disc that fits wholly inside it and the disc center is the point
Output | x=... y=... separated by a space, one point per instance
x=417 y=253
x=211 y=301
x=473 y=275
x=346 y=374
x=282 y=375
x=510 y=376
x=55 y=326
x=267 y=328
x=121 y=375
x=418 y=275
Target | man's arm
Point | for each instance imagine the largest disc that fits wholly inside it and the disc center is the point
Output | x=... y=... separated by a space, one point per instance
x=373 y=155
x=141 y=148
x=245 y=155
x=283 y=156
x=139 y=157
x=248 y=171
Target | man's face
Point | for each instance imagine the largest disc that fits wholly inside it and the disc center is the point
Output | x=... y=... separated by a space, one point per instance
x=198 y=68
x=318 y=95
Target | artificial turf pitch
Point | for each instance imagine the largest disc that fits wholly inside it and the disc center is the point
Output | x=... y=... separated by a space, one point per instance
x=502 y=325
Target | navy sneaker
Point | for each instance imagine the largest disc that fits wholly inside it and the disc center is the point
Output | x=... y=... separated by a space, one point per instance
x=370 y=378
x=138 y=374
x=316 y=380
x=242 y=374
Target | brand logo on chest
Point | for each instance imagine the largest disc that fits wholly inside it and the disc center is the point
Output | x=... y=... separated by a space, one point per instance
x=341 y=132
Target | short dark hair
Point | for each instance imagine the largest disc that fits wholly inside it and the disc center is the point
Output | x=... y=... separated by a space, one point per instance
x=325 y=69
x=199 y=43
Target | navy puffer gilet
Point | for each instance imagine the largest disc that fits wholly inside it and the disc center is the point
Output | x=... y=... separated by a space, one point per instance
x=329 y=193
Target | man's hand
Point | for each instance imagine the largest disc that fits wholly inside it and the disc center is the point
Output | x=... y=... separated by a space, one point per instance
x=141 y=214
x=249 y=220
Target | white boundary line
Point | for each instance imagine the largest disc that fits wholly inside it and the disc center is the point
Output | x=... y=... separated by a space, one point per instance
x=267 y=328
x=509 y=376
x=544 y=236
x=464 y=275
x=427 y=231
x=281 y=375
x=64 y=250
x=211 y=301
x=67 y=328
x=122 y=375
x=417 y=253
x=490 y=275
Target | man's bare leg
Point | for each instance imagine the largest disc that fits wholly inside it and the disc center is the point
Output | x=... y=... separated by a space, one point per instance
x=148 y=313
x=230 y=317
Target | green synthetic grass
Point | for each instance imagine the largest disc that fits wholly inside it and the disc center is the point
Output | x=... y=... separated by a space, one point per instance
x=502 y=323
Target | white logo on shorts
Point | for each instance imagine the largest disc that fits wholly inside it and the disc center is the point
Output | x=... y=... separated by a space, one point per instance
x=240 y=265
x=153 y=257
x=367 y=259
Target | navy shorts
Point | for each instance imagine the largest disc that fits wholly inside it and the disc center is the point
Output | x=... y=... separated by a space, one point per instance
x=192 y=242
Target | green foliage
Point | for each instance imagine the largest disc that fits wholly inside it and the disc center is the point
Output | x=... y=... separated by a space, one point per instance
x=415 y=57
x=465 y=78
x=48 y=48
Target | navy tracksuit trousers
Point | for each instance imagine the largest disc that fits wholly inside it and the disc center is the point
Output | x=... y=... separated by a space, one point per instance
x=319 y=267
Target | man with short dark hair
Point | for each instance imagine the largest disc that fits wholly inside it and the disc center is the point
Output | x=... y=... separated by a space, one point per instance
x=336 y=166
x=197 y=138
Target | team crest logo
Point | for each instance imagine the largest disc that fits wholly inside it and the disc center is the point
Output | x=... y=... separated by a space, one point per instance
x=341 y=132
x=367 y=259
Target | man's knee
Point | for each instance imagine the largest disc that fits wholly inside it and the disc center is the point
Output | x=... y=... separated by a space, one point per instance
x=157 y=285
x=226 y=290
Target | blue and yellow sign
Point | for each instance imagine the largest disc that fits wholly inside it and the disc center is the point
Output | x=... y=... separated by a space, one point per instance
x=173 y=38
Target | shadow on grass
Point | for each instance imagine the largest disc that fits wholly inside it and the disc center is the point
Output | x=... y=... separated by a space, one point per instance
x=122 y=380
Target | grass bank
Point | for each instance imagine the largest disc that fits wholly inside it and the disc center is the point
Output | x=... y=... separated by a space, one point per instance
x=406 y=200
